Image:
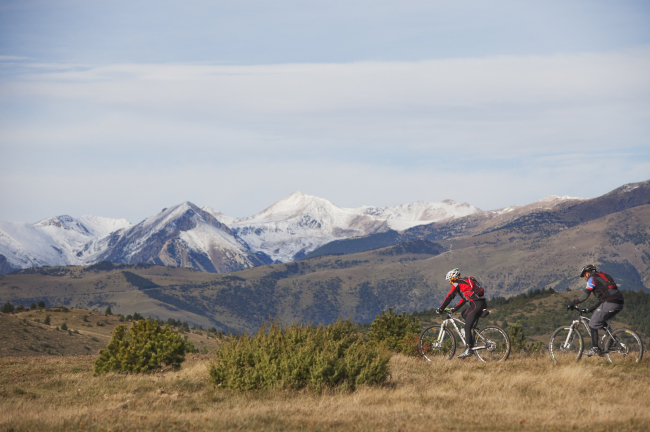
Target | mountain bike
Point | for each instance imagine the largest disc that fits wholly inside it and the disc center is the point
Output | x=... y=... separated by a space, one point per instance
x=622 y=345
x=492 y=343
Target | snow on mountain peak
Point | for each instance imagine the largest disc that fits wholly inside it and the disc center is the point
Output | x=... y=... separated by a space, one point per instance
x=292 y=206
x=552 y=198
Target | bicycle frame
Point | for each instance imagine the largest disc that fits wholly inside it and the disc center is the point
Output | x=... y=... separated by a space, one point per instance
x=452 y=320
x=585 y=323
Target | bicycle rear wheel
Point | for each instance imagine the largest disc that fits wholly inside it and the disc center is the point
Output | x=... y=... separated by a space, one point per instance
x=492 y=344
x=436 y=342
x=624 y=346
x=565 y=345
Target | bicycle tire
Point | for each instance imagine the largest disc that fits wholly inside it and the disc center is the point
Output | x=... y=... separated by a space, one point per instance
x=625 y=347
x=492 y=344
x=564 y=350
x=430 y=347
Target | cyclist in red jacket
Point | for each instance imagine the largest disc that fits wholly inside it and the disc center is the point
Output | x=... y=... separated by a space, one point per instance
x=472 y=293
x=610 y=302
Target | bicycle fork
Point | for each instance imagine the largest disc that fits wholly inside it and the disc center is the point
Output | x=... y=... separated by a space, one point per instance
x=570 y=336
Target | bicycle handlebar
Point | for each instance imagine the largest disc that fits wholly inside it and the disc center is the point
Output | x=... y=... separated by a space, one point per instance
x=582 y=311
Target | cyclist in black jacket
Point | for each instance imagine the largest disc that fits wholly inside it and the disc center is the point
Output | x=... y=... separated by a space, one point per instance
x=471 y=292
x=610 y=302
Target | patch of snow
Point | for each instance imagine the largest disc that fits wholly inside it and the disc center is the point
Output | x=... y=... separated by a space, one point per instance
x=224 y=219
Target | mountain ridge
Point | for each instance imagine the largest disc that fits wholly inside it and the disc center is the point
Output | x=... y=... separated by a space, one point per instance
x=283 y=232
x=296 y=227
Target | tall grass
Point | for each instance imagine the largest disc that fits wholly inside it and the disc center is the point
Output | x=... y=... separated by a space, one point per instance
x=523 y=394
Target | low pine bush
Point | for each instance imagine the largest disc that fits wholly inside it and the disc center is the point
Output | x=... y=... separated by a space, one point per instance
x=519 y=343
x=299 y=356
x=400 y=333
x=145 y=347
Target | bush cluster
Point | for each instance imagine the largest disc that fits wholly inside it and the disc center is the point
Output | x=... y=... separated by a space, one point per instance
x=399 y=332
x=519 y=342
x=299 y=356
x=145 y=347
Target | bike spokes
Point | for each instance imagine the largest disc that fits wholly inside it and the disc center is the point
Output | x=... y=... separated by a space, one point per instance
x=565 y=345
x=492 y=344
x=436 y=342
x=624 y=346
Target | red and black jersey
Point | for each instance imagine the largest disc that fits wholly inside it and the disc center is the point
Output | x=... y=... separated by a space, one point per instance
x=469 y=290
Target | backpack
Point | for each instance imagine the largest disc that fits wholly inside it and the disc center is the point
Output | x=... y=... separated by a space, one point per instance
x=471 y=289
x=608 y=279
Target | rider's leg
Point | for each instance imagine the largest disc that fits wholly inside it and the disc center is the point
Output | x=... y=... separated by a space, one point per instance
x=472 y=314
x=594 y=337
x=605 y=312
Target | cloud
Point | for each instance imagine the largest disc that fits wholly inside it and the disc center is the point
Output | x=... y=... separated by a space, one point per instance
x=375 y=133
x=429 y=103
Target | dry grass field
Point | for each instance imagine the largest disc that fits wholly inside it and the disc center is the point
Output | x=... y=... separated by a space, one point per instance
x=50 y=393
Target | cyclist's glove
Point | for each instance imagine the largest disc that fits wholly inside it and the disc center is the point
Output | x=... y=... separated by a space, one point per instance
x=570 y=307
x=452 y=310
x=439 y=311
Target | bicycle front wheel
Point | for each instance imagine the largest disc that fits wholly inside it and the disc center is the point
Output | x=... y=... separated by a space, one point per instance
x=492 y=344
x=436 y=342
x=624 y=346
x=566 y=345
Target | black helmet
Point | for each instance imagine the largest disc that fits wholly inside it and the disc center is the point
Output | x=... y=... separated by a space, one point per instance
x=588 y=268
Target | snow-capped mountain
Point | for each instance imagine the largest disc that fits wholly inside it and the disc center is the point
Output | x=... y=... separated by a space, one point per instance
x=182 y=236
x=59 y=240
x=300 y=223
x=419 y=213
x=206 y=239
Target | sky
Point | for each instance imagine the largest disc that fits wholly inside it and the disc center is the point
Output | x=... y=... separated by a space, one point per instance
x=123 y=108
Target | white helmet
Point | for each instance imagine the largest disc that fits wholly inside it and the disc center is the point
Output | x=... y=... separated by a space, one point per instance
x=453 y=274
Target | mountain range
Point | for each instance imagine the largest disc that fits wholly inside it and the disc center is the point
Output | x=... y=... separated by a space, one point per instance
x=511 y=251
x=205 y=239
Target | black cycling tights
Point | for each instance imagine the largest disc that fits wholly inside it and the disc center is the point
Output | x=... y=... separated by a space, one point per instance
x=471 y=315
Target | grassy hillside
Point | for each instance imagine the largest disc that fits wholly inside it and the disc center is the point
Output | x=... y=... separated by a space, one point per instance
x=26 y=334
x=530 y=394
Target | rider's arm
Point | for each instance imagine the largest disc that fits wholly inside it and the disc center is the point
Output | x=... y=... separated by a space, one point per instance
x=583 y=297
x=460 y=303
x=591 y=284
x=450 y=296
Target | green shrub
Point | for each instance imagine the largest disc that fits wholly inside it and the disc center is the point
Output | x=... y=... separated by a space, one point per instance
x=108 y=311
x=299 y=356
x=41 y=304
x=400 y=333
x=145 y=347
x=519 y=342
x=7 y=308
x=189 y=347
x=64 y=326
x=47 y=320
